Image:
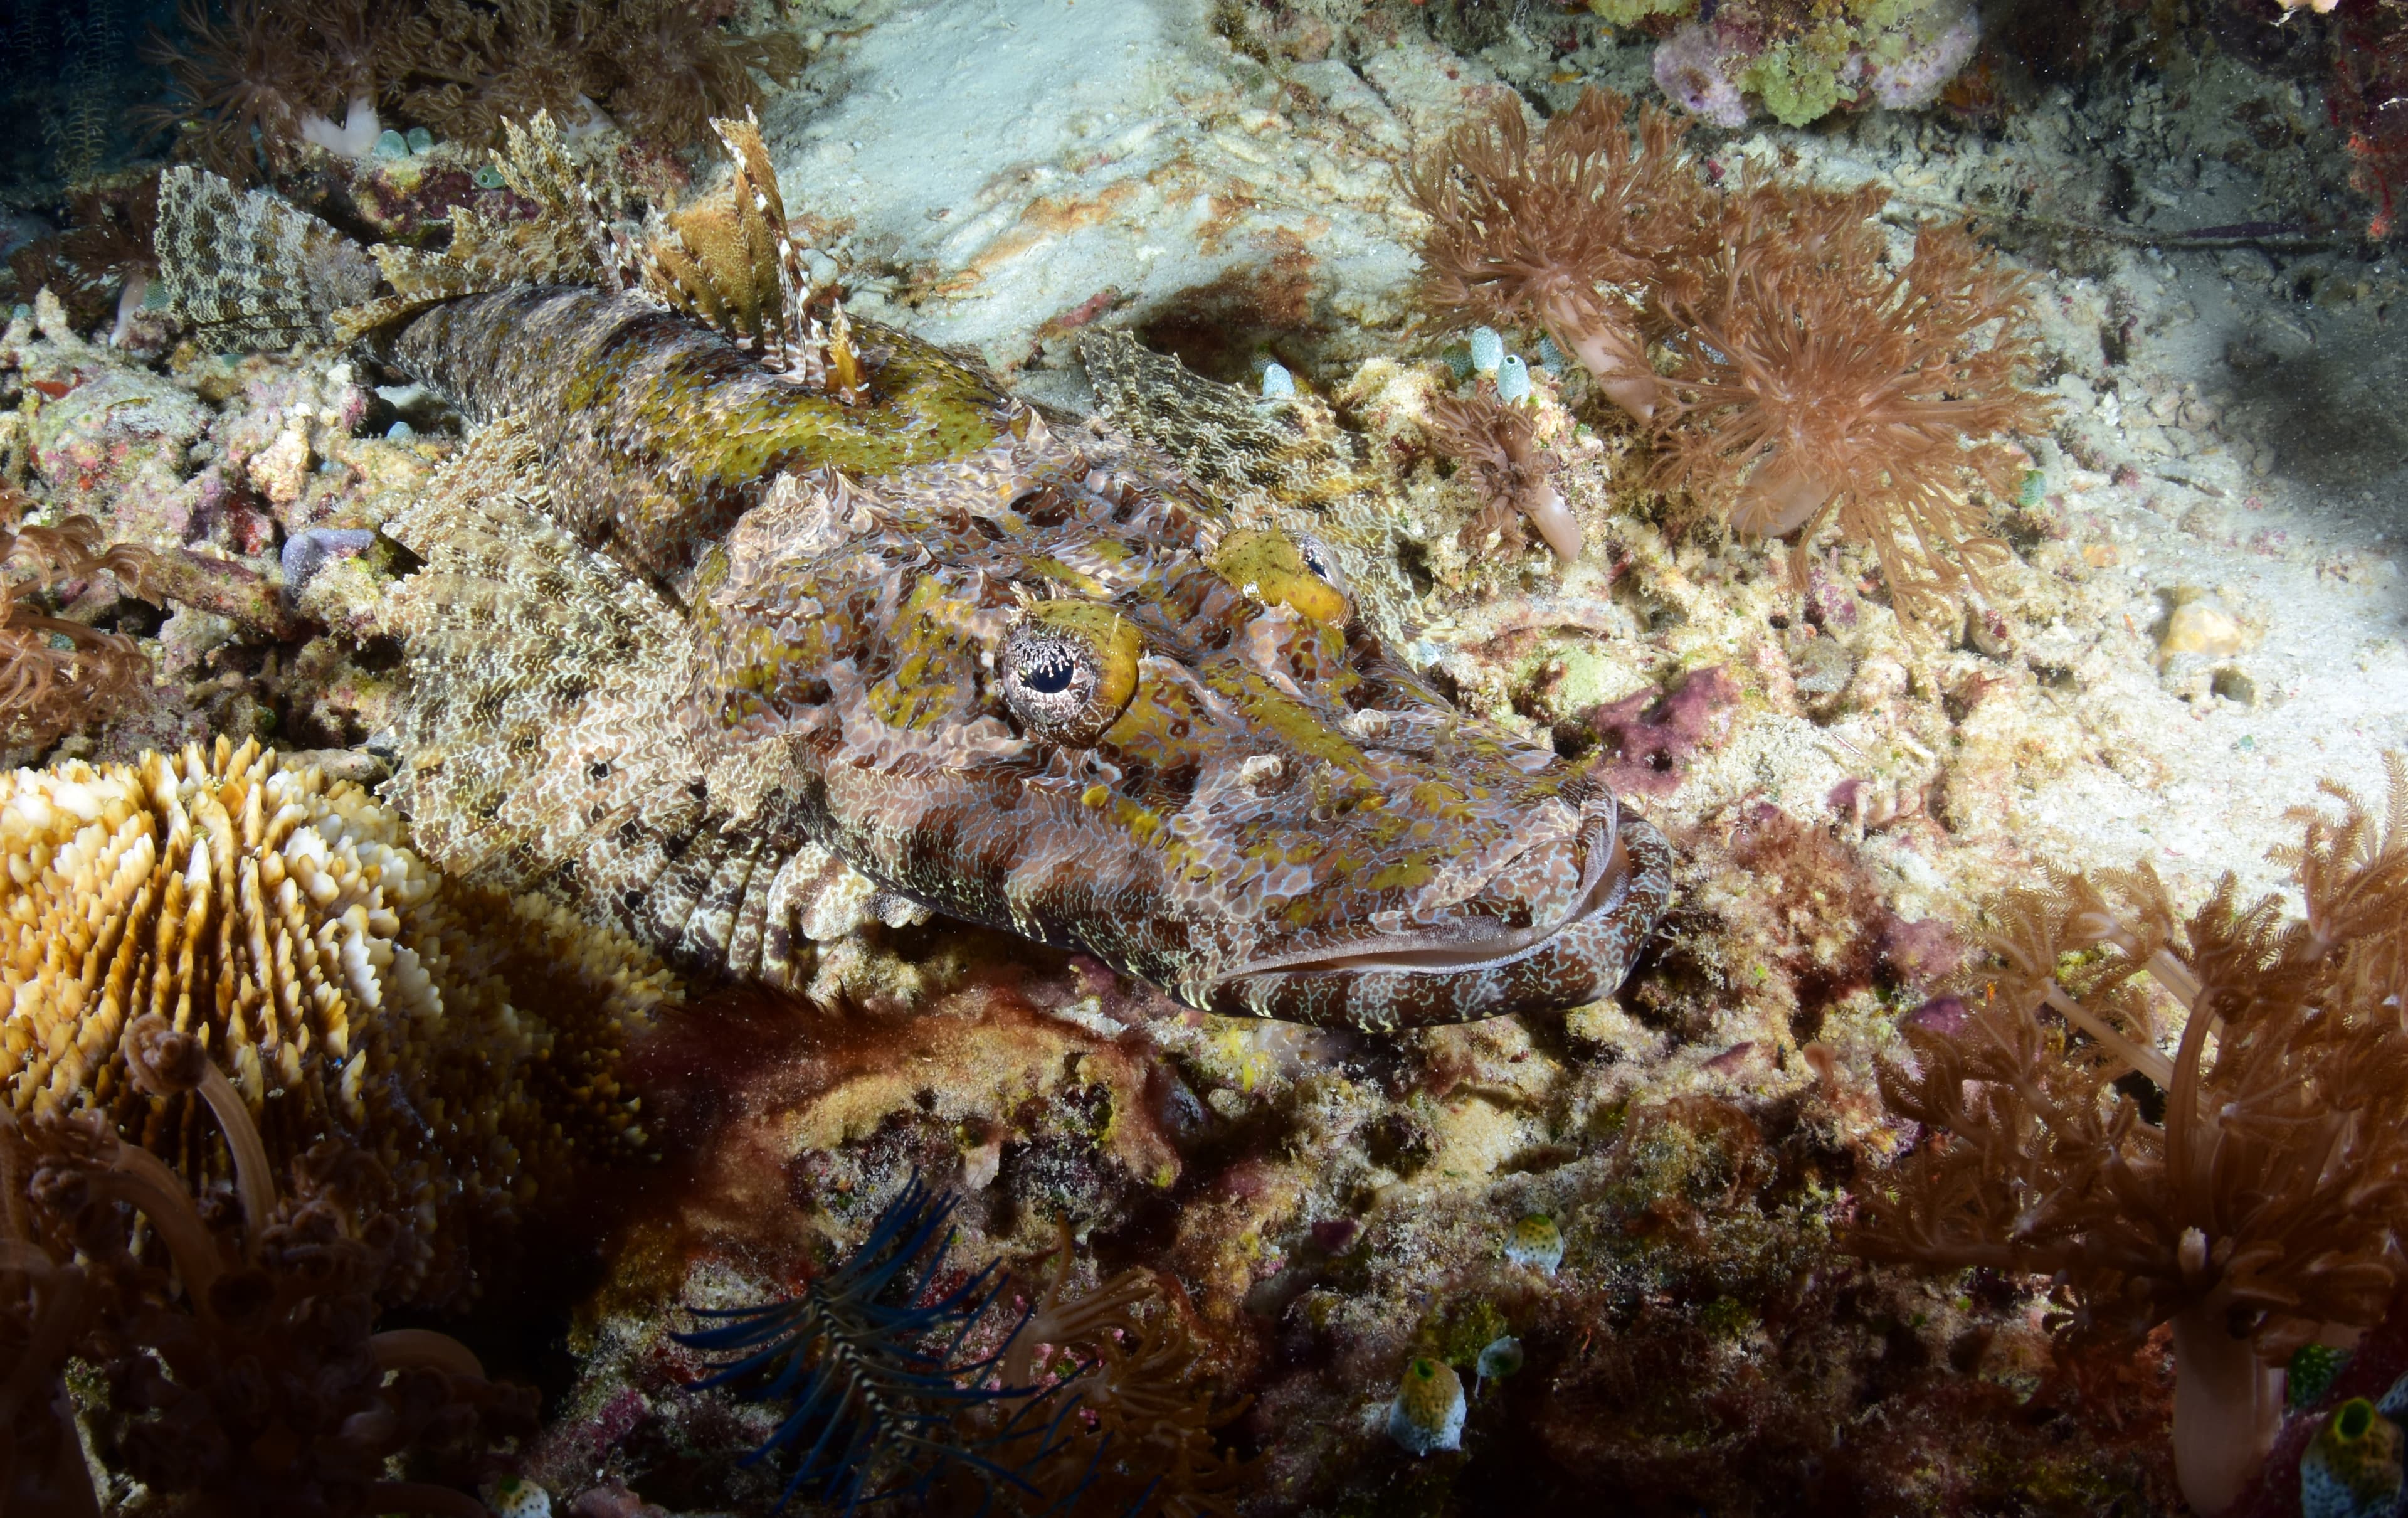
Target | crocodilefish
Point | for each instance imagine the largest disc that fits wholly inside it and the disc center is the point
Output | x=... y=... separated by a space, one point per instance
x=731 y=607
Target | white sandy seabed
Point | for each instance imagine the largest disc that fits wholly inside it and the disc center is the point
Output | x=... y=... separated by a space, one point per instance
x=2234 y=428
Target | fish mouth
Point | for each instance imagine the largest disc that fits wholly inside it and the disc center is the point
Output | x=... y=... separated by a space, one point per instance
x=1474 y=966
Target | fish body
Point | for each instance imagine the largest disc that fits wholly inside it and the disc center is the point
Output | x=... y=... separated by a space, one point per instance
x=722 y=621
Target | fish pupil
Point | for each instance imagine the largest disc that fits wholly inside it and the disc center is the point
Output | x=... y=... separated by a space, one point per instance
x=1048 y=673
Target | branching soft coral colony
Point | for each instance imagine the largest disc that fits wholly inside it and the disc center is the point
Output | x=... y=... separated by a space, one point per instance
x=1814 y=381
x=458 y=67
x=57 y=674
x=2264 y=1211
x=1788 y=372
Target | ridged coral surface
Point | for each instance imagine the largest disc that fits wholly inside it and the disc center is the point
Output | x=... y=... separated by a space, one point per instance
x=466 y=1040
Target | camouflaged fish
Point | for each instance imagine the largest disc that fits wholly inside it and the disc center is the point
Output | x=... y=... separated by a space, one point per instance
x=730 y=608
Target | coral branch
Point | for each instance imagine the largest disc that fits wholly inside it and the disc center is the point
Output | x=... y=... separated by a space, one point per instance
x=2261 y=1213
x=1570 y=229
x=423 y=1349
x=165 y=1062
x=1498 y=444
x=47 y=689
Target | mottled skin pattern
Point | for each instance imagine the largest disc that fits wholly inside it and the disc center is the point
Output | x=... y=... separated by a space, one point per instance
x=693 y=637
x=671 y=431
x=1281 y=820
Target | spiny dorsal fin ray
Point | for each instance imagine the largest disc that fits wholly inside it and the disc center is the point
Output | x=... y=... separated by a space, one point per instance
x=538 y=168
x=732 y=261
x=249 y=271
x=567 y=240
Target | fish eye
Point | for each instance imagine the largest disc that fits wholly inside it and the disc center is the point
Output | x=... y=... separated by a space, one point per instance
x=1317 y=559
x=1068 y=669
x=1297 y=574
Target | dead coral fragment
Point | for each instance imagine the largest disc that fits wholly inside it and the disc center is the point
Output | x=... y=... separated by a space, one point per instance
x=1570 y=229
x=1813 y=381
x=2268 y=1203
x=55 y=675
x=250 y=1381
x=1499 y=444
x=468 y=1041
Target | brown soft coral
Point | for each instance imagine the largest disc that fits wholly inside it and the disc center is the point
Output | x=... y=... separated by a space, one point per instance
x=254 y=73
x=2262 y=1210
x=250 y=1381
x=55 y=675
x=460 y=67
x=1815 y=380
x=1141 y=1436
x=1498 y=444
x=1803 y=376
x=676 y=67
x=1571 y=229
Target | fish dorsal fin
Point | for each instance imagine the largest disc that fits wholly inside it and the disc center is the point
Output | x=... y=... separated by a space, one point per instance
x=568 y=241
x=732 y=261
x=249 y=271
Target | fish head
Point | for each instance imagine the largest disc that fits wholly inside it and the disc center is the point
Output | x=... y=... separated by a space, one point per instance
x=1085 y=706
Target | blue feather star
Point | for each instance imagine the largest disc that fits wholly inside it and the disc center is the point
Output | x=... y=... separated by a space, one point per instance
x=878 y=1398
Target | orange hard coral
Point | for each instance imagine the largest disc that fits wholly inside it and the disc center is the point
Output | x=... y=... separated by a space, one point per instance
x=1572 y=229
x=1812 y=380
x=56 y=674
x=466 y=1040
x=2262 y=1209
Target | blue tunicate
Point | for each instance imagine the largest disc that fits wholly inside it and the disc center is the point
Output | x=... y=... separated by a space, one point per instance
x=1458 y=361
x=2352 y=1468
x=1278 y=384
x=400 y=433
x=420 y=139
x=390 y=144
x=1488 y=350
x=1551 y=357
x=489 y=178
x=1512 y=380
